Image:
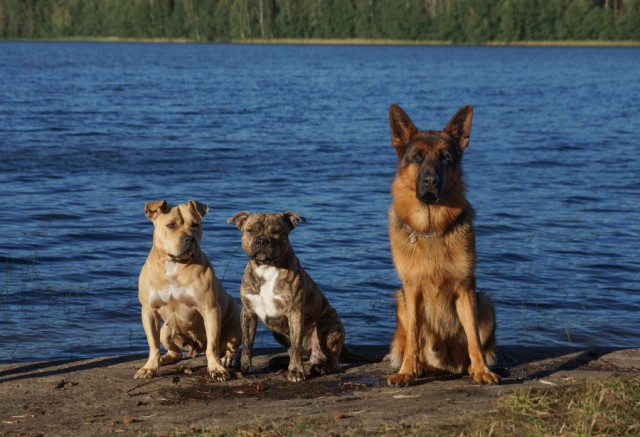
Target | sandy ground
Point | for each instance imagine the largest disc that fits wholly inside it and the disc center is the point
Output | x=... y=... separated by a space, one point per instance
x=100 y=397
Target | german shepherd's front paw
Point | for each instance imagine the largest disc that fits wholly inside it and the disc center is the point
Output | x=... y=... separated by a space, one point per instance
x=401 y=380
x=485 y=376
x=295 y=376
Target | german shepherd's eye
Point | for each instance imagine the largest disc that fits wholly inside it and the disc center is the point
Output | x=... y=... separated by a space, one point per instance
x=417 y=157
x=172 y=225
x=445 y=157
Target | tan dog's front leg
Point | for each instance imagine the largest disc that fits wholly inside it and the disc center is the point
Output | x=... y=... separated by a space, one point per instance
x=296 y=369
x=408 y=370
x=212 y=324
x=174 y=354
x=151 y=325
x=467 y=313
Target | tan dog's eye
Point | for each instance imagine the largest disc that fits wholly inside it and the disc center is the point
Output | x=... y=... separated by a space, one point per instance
x=172 y=225
x=195 y=225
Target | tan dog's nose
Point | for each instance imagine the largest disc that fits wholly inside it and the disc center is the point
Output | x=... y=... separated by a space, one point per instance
x=188 y=240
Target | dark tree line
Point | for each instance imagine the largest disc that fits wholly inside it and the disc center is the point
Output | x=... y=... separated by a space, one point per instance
x=472 y=21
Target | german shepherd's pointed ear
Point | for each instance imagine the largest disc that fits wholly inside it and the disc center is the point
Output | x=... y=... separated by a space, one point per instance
x=292 y=218
x=239 y=218
x=154 y=209
x=459 y=126
x=402 y=128
x=200 y=208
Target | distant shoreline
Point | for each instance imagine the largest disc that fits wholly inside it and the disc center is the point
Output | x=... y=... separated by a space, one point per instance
x=339 y=41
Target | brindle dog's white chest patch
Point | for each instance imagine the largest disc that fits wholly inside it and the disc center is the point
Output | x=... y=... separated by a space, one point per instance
x=264 y=304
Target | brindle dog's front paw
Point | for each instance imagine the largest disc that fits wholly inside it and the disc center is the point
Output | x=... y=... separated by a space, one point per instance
x=323 y=369
x=245 y=364
x=145 y=373
x=401 y=380
x=295 y=376
x=319 y=370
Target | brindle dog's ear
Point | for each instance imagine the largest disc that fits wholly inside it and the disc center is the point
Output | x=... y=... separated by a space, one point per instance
x=199 y=208
x=292 y=218
x=402 y=128
x=240 y=218
x=154 y=209
x=459 y=126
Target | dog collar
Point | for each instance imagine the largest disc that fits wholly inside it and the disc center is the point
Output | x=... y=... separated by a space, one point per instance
x=413 y=236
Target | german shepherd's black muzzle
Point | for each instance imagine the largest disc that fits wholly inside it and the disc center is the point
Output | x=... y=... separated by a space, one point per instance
x=428 y=185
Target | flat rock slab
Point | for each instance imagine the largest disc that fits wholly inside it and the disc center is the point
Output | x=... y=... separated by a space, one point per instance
x=99 y=396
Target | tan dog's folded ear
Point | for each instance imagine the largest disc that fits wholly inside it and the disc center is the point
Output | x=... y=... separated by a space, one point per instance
x=198 y=207
x=154 y=209
x=293 y=218
x=239 y=218
x=459 y=127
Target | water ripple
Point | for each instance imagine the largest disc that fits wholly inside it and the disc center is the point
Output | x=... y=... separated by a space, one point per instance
x=86 y=140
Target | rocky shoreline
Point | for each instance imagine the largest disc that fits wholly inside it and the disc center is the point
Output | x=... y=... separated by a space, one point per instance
x=99 y=396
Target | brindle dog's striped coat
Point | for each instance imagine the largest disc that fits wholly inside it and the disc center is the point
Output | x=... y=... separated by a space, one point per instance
x=276 y=289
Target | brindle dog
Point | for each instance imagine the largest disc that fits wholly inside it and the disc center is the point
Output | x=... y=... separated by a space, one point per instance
x=276 y=289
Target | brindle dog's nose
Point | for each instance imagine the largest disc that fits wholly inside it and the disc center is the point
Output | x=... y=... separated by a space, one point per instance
x=263 y=242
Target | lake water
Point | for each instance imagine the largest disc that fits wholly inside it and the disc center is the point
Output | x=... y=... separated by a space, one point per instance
x=90 y=132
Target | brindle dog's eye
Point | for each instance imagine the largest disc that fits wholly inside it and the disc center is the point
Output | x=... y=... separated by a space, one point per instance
x=250 y=230
x=172 y=225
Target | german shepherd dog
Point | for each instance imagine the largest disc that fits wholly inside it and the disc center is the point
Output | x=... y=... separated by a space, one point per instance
x=442 y=323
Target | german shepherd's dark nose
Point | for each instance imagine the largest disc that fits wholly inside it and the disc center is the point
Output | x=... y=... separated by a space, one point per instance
x=428 y=188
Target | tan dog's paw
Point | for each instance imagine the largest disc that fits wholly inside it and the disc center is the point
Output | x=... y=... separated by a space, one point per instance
x=295 y=376
x=220 y=375
x=486 y=376
x=401 y=380
x=145 y=373
x=169 y=358
x=229 y=361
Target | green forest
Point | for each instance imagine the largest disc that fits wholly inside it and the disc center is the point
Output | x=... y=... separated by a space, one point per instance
x=457 y=21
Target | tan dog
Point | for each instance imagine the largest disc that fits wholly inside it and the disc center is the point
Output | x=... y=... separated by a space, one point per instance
x=276 y=289
x=443 y=324
x=179 y=285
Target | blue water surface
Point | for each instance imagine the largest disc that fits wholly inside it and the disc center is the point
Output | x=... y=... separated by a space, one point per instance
x=89 y=132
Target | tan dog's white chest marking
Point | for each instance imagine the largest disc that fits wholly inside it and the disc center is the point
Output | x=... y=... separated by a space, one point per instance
x=264 y=304
x=173 y=290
